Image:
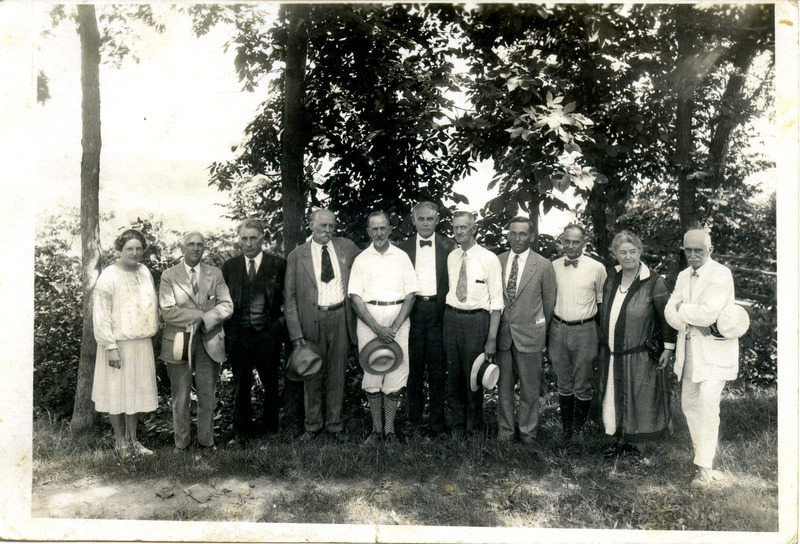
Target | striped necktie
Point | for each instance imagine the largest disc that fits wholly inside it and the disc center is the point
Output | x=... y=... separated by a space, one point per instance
x=195 y=284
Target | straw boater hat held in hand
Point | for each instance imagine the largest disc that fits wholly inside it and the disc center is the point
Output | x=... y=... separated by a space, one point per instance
x=732 y=322
x=380 y=358
x=483 y=373
x=304 y=362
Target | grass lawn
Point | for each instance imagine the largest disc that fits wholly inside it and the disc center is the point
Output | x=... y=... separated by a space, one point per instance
x=471 y=482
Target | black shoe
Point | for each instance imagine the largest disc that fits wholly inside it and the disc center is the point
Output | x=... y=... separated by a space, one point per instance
x=340 y=437
x=308 y=436
x=391 y=439
x=613 y=450
x=374 y=438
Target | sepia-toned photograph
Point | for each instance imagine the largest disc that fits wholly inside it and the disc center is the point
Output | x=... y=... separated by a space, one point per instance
x=383 y=272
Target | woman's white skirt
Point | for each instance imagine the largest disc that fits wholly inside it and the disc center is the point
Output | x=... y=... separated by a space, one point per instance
x=130 y=389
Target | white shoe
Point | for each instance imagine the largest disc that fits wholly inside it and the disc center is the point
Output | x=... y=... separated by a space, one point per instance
x=707 y=477
x=138 y=449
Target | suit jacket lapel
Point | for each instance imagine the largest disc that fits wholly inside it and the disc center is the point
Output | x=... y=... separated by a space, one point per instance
x=503 y=264
x=204 y=280
x=342 y=259
x=527 y=273
x=237 y=271
x=307 y=262
x=185 y=282
x=441 y=257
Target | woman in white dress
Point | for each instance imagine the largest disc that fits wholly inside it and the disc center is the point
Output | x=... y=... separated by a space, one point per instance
x=125 y=321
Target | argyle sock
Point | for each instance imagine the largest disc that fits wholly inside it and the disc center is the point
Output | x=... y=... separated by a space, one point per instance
x=390 y=403
x=376 y=408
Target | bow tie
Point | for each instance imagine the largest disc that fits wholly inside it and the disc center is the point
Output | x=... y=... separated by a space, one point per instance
x=424 y=243
x=574 y=263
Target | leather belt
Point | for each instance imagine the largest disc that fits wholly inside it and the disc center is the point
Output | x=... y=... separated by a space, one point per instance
x=382 y=303
x=571 y=323
x=330 y=308
x=425 y=298
x=458 y=311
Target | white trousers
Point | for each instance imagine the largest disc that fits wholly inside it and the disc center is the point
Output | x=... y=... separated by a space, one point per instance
x=393 y=381
x=700 y=405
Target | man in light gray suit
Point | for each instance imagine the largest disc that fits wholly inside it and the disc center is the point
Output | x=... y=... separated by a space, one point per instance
x=317 y=309
x=194 y=294
x=529 y=296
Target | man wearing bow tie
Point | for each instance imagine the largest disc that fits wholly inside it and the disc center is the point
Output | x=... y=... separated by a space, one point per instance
x=318 y=310
x=194 y=293
x=254 y=333
x=573 y=335
x=428 y=252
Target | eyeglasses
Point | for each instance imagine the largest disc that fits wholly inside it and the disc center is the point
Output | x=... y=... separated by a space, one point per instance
x=694 y=250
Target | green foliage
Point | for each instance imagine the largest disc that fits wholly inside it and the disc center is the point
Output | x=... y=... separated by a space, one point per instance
x=374 y=107
x=58 y=311
x=58 y=304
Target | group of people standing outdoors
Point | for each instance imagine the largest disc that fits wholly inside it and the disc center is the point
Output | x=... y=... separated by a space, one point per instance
x=451 y=314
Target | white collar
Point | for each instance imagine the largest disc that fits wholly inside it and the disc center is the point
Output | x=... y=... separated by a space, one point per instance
x=644 y=272
x=189 y=268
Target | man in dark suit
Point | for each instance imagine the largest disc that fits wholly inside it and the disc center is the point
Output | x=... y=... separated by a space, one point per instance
x=254 y=333
x=428 y=252
x=319 y=310
x=529 y=296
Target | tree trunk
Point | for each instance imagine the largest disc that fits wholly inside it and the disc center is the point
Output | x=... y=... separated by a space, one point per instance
x=730 y=112
x=83 y=411
x=687 y=205
x=294 y=134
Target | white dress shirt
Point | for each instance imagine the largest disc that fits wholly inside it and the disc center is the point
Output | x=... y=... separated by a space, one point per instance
x=383 y=277
x=484 y=279
x=425 y=265
x=332 y=292
x=580 y=289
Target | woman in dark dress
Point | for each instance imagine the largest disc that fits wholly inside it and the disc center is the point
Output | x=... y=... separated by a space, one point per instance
x=637 y=345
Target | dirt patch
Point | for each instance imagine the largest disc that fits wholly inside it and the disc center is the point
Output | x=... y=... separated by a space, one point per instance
x=228 y=499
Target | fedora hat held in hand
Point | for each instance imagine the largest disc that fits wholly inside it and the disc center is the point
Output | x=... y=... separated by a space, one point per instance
x=380 y=358
x=304 y=362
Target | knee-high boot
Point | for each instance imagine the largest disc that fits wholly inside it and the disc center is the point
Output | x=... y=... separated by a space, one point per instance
x=567 y=407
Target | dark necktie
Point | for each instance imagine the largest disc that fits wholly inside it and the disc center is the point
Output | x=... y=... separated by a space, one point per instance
x=425 y=243
x=574 y=263
x=195 y=285
x=251 y=272
x=511 y=286
x=327 y=266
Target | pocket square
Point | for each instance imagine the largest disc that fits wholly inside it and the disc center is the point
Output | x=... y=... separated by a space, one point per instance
x=480 y=281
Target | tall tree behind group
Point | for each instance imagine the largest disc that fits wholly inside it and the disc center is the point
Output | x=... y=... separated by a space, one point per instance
x=373 y=103
x=608 y=98
x=95 y=46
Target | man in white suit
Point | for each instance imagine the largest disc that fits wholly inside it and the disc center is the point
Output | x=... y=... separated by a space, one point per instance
x=703 y=361
x=194 y=293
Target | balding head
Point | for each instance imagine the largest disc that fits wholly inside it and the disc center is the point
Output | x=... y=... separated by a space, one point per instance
x=194 y=244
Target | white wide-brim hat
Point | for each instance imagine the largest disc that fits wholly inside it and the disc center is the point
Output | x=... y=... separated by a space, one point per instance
x=484 y=373
x=733 y=321
x=380 y=358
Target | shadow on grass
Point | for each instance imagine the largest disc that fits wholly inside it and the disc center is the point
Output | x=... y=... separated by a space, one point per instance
x=470 y=482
